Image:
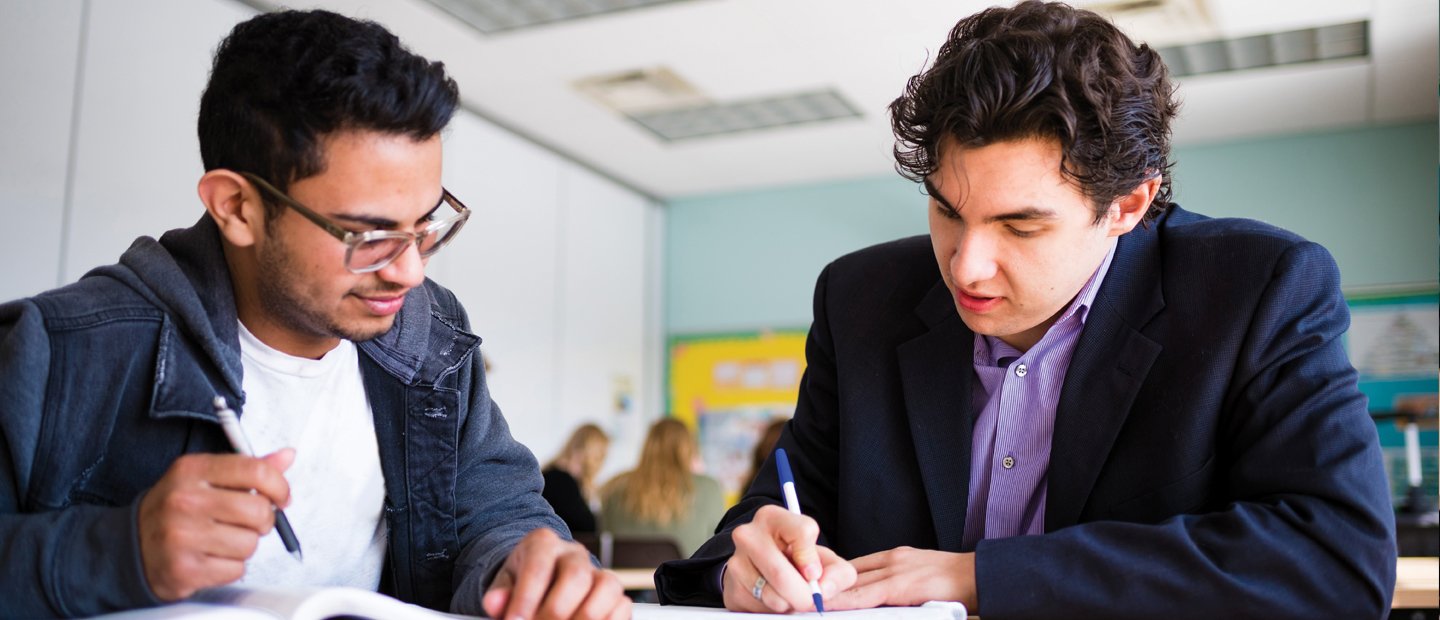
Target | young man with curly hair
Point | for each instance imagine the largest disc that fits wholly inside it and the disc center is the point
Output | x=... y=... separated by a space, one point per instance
x=1073 y=398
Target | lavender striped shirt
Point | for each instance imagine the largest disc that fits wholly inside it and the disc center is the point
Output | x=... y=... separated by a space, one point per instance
x=1016 y=394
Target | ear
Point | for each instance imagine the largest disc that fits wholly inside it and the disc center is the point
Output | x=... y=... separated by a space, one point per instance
x=1129 y=210
x=234 y=204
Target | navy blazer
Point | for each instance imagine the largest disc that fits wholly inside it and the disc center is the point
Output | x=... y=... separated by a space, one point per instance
x=1212 y=454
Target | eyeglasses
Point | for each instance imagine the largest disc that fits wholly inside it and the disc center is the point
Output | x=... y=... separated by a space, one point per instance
x=372 y=250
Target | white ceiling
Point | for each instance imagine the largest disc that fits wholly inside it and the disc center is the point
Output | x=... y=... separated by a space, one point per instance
x=865 y=49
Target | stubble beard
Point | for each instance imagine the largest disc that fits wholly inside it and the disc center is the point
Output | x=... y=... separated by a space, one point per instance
x=283 y=300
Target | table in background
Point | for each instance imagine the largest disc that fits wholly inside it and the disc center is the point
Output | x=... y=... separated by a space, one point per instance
x=1417 y=583
x=636 y=578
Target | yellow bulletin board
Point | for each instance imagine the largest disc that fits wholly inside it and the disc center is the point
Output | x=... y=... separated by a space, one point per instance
x=728 y=387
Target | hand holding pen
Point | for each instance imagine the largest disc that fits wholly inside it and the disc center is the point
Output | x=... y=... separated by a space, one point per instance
x=792 y=503
x=778 y=567
x=204 y=518
x=231 y=423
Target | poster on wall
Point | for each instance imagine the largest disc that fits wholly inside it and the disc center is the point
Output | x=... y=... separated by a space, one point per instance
x=728 y=387
x=1394 y=343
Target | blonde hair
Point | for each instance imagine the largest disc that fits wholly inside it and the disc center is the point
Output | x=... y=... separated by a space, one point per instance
x=582 y=456
x=660 y=488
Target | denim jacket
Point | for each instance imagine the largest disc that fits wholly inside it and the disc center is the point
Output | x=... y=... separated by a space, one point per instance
x=105 y=382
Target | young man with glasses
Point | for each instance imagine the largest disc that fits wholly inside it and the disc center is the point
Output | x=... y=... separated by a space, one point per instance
x=299 y=300
x=1072 y=398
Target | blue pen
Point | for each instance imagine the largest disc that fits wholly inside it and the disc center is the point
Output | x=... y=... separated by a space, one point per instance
x=792 y=502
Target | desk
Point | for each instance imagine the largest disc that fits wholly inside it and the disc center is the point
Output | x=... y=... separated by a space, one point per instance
x=1417 y=583
x=636 y=578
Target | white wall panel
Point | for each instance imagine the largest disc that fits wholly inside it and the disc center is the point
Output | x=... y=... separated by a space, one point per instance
x=137 y=158
x=1404 y=48
x=503 y=267
x=604 y=292
x=556 y=269
x=39 y=45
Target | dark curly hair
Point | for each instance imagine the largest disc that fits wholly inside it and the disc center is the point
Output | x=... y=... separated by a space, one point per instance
x=283 y=81
x=1051 y=71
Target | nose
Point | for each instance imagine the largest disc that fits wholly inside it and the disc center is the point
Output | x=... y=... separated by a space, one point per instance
x=973 y=261
x=408 y=269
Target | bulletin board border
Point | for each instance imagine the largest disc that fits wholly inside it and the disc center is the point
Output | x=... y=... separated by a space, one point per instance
x=1393 y=294
x=699 y=337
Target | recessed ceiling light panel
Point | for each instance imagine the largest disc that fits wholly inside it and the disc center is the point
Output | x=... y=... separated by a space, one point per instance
x=641 y=90
x=743 y=116
x=1348 y=40
x=492 y=16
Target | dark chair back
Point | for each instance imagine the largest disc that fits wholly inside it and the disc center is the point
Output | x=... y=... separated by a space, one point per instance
x=591 y=540
x=642 y=551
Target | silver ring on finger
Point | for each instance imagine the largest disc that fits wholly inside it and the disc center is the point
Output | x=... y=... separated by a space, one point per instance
x=759 y=588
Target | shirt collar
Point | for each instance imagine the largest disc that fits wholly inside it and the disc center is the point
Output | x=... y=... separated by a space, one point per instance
x=1083 y=301
x=989 y=349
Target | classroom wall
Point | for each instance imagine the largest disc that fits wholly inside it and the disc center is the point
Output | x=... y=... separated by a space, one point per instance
x=557 y=265
x=39 y=47
x=746 y=261
x=572 y=280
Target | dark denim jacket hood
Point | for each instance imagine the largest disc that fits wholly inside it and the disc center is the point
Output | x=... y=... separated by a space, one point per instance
x=185 y=273
x=105 y=382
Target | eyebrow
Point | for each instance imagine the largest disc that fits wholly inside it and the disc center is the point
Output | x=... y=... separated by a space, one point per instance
x=1026 y=214
x=381 y=222
x=935 y=194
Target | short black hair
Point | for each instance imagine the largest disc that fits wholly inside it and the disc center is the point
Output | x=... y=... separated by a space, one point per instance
x=1045 y=70
x=283 y=81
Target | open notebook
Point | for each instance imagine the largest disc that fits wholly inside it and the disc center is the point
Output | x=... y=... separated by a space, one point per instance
x=236 y=603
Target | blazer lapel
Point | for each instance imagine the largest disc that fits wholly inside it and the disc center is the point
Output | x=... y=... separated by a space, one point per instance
x=935 y=371
x=1108 y=367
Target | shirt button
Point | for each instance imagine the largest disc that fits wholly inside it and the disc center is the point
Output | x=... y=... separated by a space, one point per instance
x=1021 y=370
x=1008 y=462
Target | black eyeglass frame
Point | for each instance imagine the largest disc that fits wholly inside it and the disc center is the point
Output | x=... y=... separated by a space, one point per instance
x=353 y=239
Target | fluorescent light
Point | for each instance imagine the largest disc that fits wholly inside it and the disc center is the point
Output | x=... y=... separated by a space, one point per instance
x=1348 y=40
x=492 y=16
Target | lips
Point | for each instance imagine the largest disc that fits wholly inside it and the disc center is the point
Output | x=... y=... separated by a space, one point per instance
x=975 y=303
x=383 y=305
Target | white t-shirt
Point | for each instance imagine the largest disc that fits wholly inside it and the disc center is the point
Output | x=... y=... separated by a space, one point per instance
x=337 y=490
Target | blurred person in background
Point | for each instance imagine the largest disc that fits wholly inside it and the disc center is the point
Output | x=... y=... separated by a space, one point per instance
x=763 y=447
x=570 y=477
x=664 y=495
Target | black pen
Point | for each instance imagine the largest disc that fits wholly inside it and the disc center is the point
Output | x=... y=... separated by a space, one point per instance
x=231 y=424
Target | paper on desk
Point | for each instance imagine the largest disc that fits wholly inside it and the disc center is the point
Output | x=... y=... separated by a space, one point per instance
x=279 y=603
x=933 y=610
